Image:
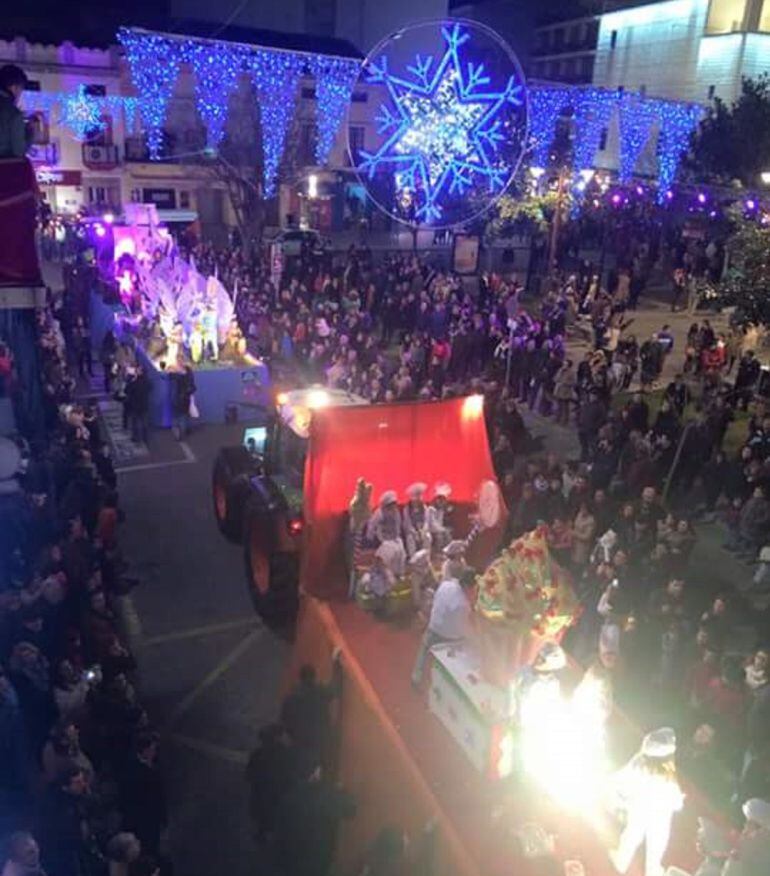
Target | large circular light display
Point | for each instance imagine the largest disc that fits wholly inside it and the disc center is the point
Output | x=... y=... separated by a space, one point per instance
x=451 y=123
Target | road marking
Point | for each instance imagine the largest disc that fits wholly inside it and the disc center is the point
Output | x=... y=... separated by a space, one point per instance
x=187 y=450
x=195 y=632
x=220 y=752
x=216 y=673
x=148 y=465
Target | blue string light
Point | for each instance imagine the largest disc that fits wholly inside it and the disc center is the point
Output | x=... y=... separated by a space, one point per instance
x=154 y=62
x=593 y=111
x=677 y=122
x=446 y=127
x=276 y=78
x=547 y=106
x=638 y=116
x=82 y=113
x=335 y=78
x=216 y=70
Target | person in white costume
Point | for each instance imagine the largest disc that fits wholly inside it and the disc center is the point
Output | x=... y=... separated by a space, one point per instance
x=414 y=518
x=649 y=795
x=385 y=527
x=436 y=516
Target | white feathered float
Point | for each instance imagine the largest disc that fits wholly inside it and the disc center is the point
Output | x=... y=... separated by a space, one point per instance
x=191 y=317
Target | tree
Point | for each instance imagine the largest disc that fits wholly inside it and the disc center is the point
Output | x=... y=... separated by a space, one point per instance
x=733 y=140
x=236 y=166
x=746 y=284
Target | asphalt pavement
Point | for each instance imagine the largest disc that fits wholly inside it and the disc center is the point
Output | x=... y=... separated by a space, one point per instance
x=209 y=670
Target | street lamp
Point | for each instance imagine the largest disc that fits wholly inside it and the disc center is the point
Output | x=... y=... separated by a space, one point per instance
x=765 y=177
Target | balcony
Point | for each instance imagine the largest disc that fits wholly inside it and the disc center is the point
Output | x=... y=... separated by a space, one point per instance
x=174 y=148
x=44 y=153
x=96 y=157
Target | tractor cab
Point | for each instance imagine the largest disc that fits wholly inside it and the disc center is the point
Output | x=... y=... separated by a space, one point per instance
x=258 y=491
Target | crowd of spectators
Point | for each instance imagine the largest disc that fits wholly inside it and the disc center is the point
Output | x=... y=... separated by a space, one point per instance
x=80 y=789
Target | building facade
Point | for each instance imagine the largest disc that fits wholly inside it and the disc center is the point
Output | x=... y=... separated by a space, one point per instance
x=689 y=50
x=110 y=167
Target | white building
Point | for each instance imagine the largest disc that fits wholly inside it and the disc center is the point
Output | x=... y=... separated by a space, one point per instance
x=691 y=50
x=111 y=168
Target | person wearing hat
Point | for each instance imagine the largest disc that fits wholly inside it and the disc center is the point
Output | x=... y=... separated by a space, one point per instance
x=751 y=856
x=415 y=520
x=14 y=136
x=436 y=515
x=385 y=526
x=714 y=845
x=454 y=559
x=450 y=618
x=649 y=795
x=538 y=681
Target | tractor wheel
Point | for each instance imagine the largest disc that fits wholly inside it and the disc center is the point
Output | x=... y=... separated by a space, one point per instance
x=272 y=576
x=229 y=489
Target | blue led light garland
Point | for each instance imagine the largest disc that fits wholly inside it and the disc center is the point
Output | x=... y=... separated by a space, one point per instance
x=548 y=105
x=335 y=78
x=83 y=114
x=593 y=111
x=638 y=116
x=444 y=127
x=216 y=71
x=276 y=78
x=677 y=122
x=155 y=62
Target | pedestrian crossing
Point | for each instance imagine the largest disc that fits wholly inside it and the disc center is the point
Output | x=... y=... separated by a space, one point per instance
x=124 y=450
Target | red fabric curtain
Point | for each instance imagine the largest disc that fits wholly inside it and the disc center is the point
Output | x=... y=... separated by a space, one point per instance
x=18 y=193
x=391 y=446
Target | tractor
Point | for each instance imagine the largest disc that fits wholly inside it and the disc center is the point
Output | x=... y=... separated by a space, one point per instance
x=257 y=490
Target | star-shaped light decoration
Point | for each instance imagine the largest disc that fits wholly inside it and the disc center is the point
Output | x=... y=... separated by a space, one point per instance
x=82 y=114
x=445 y=129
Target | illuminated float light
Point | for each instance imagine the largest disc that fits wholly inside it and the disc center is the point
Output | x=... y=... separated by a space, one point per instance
x=473 y=407
x=318 y=398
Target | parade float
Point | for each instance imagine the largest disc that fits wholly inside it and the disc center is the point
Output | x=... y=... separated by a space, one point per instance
x=176 y=317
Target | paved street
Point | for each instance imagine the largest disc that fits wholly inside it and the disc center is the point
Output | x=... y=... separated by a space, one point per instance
x=209 y=670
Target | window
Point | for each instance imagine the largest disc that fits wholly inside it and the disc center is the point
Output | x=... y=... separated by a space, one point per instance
x=712 y=91
x=308 y=93
x=613 y=39
x=96 y=90
x=558 y=37
x=603 y=139
x=764 y=18
x=359 y=97
x=32 y=85
x=643 y=90
x=41 y=132
x=184 y=200
x=357 y=140
x=586 y=66
x=726 y=16
x=97 y=195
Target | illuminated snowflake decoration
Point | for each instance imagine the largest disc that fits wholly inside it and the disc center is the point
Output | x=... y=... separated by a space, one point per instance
x=82 y=114
x=447 y=132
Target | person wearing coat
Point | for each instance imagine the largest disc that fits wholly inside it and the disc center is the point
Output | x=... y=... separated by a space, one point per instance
x=415 y=520
x=436 y=517
x=583 y=532
x=564 y=391
x=385 y=528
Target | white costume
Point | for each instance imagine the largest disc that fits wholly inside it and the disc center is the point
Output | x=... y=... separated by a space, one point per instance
x=435 y=517
x=649 y=796
x=385 y=527
x=713 y=844
x=415 y=520
x=454 y=564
